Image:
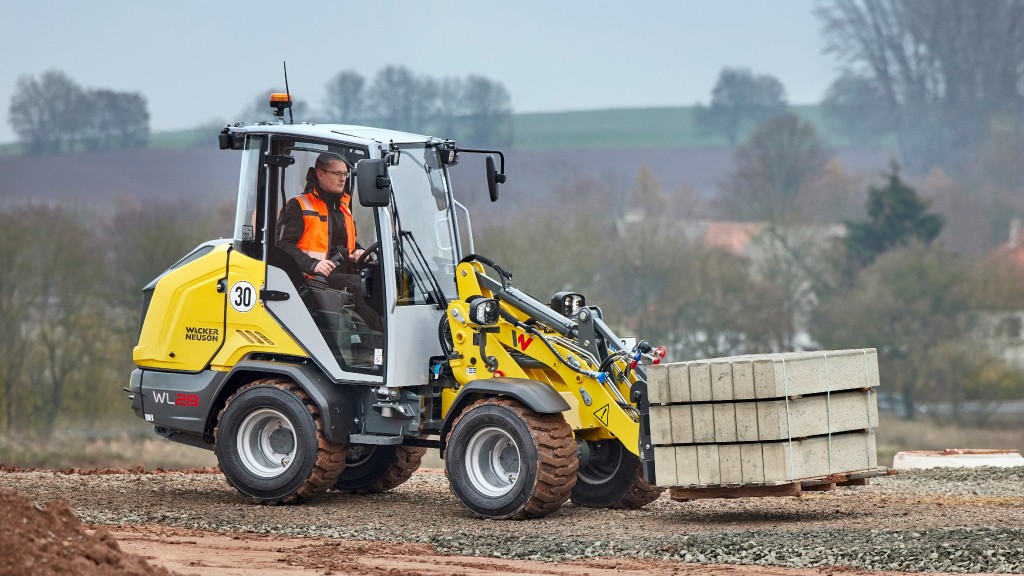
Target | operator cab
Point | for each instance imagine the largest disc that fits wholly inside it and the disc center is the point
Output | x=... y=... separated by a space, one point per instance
x=412 y=245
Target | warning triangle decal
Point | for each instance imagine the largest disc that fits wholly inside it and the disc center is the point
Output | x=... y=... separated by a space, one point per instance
x=602 y=414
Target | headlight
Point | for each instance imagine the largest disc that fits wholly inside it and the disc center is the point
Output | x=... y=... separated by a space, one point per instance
x=567 y=304
x=484 y=311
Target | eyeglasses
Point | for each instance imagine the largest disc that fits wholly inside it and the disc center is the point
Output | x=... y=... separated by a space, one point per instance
x=337 y=174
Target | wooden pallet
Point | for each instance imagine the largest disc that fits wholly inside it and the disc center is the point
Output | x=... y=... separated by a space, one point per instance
x=796 y=488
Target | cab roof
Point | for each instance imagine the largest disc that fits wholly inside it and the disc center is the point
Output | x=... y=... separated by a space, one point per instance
x=342 y=132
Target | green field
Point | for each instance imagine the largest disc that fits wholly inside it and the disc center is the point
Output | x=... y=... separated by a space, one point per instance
x=674 y=127
x=631 y=128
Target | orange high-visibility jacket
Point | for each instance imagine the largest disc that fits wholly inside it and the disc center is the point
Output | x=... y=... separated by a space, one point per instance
x=315 y=230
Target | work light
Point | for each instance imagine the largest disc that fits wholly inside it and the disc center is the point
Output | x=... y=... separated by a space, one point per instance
x=567 y=303
x=484 y=311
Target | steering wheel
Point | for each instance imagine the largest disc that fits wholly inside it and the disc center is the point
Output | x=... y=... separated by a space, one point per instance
x=364 y=258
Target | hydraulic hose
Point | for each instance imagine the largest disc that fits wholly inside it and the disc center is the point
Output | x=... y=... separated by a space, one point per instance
x=599 y=376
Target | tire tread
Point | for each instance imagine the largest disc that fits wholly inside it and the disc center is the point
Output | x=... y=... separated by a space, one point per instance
x=330 y=457
x=556 y=456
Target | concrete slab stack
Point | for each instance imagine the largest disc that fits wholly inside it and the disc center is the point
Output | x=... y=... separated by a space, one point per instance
x=763 y=419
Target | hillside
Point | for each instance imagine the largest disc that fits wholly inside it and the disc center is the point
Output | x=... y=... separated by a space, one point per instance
x=674 y=127
x=618 y=128
x=210 y=176
x=551 y=150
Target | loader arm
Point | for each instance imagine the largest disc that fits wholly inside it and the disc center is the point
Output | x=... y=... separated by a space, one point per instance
x=533 y=342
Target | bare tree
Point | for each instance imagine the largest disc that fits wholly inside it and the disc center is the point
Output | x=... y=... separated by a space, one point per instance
x=946 y=68
x=489 y=109
x=47 y=113
x=740 y=99
x=18 y=299
x=346 y=97
x=398 y=96
x=450 y=107
x=116 y=120
x=855 y=105
x=772 y=169
x=70 y=317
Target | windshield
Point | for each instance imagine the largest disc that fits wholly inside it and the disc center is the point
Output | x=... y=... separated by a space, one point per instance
x=422 y=218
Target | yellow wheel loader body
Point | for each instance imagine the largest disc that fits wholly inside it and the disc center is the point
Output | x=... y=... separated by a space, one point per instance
x=213 y=316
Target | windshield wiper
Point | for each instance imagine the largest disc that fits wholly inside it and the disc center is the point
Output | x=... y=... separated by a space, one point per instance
x=424 y=269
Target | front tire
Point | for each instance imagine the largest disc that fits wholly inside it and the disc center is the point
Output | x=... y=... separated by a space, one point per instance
x=612 y=478
x=270 y=443
x=372 y=469
x=504 y=460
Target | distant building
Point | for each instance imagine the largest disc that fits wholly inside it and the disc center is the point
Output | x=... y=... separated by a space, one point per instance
x=765 y=248
x=1003 y=331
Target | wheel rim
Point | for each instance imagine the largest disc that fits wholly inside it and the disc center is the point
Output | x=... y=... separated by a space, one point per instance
x=266 y=443
x=605 y=462
x=492 y=462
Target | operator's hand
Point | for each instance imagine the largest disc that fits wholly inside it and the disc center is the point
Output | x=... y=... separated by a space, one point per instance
x=324 y=267
x=355 y=255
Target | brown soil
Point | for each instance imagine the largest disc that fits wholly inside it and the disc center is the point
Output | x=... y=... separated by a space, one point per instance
x=51 y=541
x=195 y=524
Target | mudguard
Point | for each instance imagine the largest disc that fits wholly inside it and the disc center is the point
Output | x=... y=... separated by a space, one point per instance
x=538 y=396
x=338 y=403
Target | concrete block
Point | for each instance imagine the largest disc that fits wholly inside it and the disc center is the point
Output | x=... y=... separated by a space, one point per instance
x=730 y=464
x=665 y=466
x=816 y=415
x=703 y=423
x=708 y=469
x=743 y=379
x=752 y=460
x=724 y=414
x=700 y=381
x=764 y=420
x=770 y=462
x=774 y=462
x=682 y=424
x=686 y=465
x=746 y=422
x=802 y=373
x=661 y=425
x=658 y=384
x=824 y=455
x=679 y=382
x=721 y=380
x=763 y=376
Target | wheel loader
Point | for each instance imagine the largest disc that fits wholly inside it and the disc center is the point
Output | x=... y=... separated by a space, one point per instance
x=298 y=390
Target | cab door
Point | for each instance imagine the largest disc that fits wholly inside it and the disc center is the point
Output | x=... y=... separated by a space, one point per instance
x=334 y=329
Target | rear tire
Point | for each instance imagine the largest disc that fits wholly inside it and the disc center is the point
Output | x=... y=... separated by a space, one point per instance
x=270 y=443
x=372 y=469
x=612 y=478
x=504 y=460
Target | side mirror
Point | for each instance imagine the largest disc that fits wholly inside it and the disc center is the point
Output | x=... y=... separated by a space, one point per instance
x=373 y=183
x=493 y=178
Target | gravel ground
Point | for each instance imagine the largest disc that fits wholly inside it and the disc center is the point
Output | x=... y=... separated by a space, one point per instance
x=937 y=520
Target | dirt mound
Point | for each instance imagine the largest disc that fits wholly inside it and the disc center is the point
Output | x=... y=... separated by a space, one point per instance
x=51 y=541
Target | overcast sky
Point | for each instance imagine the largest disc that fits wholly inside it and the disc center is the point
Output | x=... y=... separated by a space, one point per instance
x=200 y=61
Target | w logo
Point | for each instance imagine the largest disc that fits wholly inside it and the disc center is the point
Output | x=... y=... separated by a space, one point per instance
x=521 y=340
